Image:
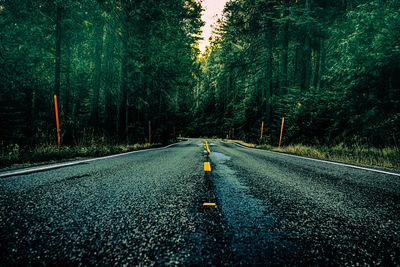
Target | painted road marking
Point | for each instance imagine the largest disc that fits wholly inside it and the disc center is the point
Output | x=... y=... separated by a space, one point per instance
x=61 y=165
x=206 y=144
x=209 y=204
x=207 y=167
x=320 y=160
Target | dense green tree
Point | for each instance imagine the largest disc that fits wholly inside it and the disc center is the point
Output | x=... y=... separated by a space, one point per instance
x=329 y=67
x=113 y=64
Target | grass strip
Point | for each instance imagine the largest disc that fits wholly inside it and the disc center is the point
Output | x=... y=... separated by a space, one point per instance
x=48 y=154
x=388 y=157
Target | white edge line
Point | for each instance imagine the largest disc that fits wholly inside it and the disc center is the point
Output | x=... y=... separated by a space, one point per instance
x=56 y=166
x=318 y=160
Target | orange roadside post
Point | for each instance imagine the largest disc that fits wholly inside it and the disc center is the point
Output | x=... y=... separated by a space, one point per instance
x=57 y=122
x=149 y=132
x=280 y=137
x=262 y=129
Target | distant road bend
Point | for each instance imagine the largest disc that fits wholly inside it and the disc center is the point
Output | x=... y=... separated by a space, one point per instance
x=147 y=208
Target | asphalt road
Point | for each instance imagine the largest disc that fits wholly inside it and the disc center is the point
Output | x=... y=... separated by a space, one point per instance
x=146 y=208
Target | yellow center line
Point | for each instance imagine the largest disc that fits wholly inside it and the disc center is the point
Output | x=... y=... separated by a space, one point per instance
x=209 y=204
x=207 y=167
x=208 y=149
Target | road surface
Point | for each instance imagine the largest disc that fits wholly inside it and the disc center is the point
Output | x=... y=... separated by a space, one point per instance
x=146 y=208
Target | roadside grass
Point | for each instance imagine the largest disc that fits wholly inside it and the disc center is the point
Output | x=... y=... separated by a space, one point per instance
x=388 y=157
x=50 y=153
x=242 y=143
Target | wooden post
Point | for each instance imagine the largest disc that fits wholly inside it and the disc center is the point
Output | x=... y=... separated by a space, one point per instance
x=280 y=137
x=57 y=122
x=149 y=132
x=262 y=129
x=233 y=133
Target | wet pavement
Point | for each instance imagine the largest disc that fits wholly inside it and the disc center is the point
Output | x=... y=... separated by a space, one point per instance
x=147 y=209
x=321 y=214
x=252 y=233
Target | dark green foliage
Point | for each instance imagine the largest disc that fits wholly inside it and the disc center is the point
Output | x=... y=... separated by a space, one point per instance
x=114 y=65
x=331 y=68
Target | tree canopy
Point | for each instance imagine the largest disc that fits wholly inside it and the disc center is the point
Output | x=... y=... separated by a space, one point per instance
x=329 y=67
x=113 y=64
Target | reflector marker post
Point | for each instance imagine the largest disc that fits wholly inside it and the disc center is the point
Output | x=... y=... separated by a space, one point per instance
x=57 y=122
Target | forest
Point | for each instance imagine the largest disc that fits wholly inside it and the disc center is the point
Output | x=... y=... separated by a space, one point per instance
x=330 y=68
x=114 y=65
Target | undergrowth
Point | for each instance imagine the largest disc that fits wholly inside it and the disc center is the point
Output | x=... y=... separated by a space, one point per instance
x=47 y=153
x=388 y=157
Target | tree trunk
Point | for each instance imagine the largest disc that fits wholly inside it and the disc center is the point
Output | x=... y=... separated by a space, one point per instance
x=32 y=116
x=349 y=5
x=126 y=117
x=99 y=32
x=317 y=59
x=285 y=47
x=301 y=68
x=122 y=120
x=68 y=136
x=322 y=65
x=268 y=85
x=67 y=91
x=123 y=92
x=308 y=5
x=298 y=66
x=307 y=64
x=109 y=124
x=197 y=94
x=57 y=80
x=307 y=53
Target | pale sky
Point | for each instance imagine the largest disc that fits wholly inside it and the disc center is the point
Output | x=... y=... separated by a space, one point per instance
x=212 y=9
